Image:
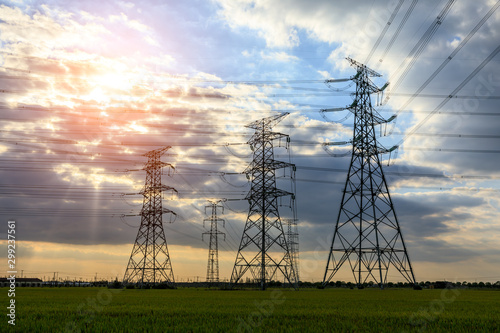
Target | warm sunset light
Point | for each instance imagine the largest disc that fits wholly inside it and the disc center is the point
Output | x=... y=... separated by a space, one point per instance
x=291 y=143
x=89 y=98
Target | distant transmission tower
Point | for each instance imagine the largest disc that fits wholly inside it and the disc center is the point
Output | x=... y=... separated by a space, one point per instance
x=292 y=236
x=150 y=262
x=213 y=247
x=263 y=248
x=367 y=234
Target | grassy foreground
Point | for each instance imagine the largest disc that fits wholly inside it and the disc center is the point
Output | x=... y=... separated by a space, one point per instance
x=199 y=310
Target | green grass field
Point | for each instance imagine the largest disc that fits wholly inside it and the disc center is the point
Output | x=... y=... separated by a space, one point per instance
x=306 y=310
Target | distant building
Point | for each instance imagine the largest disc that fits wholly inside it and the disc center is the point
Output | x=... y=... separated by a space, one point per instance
x=22 y=282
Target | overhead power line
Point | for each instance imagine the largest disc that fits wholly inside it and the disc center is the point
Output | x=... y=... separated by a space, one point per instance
x=451 y=56
x=383 y=32
x=398 y=30
x=419 y=47
x=454 y=92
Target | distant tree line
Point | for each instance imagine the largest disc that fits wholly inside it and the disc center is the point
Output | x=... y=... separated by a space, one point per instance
x=422 y=284
x=279 y=284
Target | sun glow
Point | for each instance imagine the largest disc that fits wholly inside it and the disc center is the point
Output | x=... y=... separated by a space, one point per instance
x=138 y=128
x=93 y=176
x=115 y=81
x=98 y=95
x=83 y=145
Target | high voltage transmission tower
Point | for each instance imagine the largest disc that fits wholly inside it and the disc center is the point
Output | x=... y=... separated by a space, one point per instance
x=213 y=247
x=367 y=233
x=292 y=237
x=263 y=248
x=150 y=261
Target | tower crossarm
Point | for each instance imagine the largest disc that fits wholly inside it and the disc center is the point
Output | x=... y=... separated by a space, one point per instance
x=157 y=152
x=267 y=123
x=361 y=67
x=153 y=164
x=383 y=150
x=271 y=192
x=279 y=193
x=377 y=120
x=349 y=107
x=156 y=211
x=336 y=80
x=270 y=165
x=155 y=188
x=274 y=165
x=259 y=136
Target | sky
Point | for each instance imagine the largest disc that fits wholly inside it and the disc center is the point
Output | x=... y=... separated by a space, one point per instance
x=87 y=87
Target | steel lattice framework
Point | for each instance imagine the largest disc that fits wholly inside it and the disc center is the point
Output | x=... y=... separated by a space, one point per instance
x=213 y=247
x=367 y=234
x=263 y=248
x=292 y=236
x=149 y=262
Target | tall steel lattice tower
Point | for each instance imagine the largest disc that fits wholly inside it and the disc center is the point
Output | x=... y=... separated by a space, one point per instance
x=264 y=249
x=292 y=236
x=367 y=234
x=150 y=261
x=213 y=245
